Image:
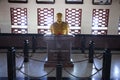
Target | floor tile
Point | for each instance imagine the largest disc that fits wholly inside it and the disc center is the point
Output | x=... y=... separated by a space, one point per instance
x=81 y=70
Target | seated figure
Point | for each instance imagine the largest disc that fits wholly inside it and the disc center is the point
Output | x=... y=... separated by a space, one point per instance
x=59 y=27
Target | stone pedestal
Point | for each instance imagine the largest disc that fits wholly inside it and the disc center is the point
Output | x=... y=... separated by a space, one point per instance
x=59 y=50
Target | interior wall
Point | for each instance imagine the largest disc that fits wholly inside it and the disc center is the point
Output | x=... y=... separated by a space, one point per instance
x=60 y=6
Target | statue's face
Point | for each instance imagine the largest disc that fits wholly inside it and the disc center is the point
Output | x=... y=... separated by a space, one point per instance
x=59 y=17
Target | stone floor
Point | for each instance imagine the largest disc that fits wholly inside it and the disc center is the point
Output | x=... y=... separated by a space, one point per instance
x=82 y=70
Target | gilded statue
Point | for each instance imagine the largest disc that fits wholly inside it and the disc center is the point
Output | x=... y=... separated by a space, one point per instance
x=59 y=27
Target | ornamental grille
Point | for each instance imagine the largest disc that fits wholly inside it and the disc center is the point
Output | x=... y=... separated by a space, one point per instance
x=73 y=17
x=100 y=21
x=45 y=16
x=119 y=26
x=19 y=20
x=45 y=19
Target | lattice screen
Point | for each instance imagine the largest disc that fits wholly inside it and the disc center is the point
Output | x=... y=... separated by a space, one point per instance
x=100 y=21
x=45 y=19
x=19 y=20
x=73 y=17
x=119 y=27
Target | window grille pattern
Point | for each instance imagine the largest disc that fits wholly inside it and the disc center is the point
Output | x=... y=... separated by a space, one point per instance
x=45 y=19
x=19 y=30
x=119 y=27
x=100 y=21
x=75 y=31
x=19 y=20
x=73 y=17
x=44 y=31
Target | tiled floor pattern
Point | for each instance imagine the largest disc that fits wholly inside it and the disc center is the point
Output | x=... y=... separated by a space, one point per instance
x=82 y=70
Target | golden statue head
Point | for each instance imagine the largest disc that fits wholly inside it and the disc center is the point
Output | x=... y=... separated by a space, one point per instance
x=59 y=17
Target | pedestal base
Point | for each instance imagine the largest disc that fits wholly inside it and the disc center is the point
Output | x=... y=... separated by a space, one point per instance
x=68 y=64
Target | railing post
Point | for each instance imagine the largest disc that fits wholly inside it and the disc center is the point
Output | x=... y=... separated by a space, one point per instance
x=59 y=72
x=91 y=51
x=33 y=44
x=11 y=64
x=26 y=51
x=83 y=41
x=106 y=65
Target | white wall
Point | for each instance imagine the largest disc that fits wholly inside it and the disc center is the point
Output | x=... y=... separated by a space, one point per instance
x=59 y=6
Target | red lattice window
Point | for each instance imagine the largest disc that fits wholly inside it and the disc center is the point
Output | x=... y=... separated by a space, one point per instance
x=119 y=27
x=100 y=21
x=73 y=17
x=45 y=19
x=19 y=20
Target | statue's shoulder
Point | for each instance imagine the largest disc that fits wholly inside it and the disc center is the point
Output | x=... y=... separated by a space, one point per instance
x=55 y=23
x=65 y=23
